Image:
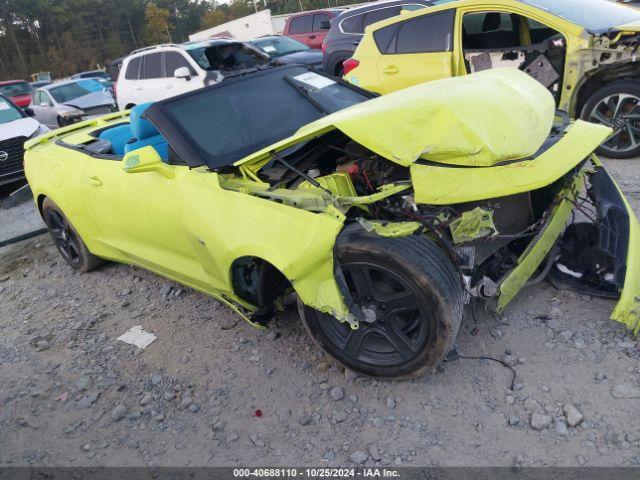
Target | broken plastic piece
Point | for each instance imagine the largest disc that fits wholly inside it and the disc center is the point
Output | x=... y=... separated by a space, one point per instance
x=473 y=224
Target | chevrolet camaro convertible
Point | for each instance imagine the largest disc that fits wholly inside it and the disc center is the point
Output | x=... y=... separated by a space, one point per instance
x=383 y=216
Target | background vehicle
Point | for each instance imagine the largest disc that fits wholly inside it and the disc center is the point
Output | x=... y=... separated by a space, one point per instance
x=64 y=103
x=288 y=50
x=99 y=75
x=251 y=197
x=16 y=127
x=583 y=51
x=154 y=73
x=347 y=29
x=41 y=83
x=311 y=27
x=18 y=91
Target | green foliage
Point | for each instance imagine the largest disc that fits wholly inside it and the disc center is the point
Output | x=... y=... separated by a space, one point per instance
x=156 y=25
x=67 y=36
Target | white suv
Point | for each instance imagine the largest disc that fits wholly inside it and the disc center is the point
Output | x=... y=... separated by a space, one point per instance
x=155 y=73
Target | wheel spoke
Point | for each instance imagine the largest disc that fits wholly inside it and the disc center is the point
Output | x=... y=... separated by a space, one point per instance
x=361 y=278
x=396 y=337
x=355 y=341
x=402 y=302
x=74 y=251
x=613 y=141
x=633 y=135
x=598 y=116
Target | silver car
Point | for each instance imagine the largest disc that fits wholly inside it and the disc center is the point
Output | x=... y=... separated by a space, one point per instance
x=64 y=103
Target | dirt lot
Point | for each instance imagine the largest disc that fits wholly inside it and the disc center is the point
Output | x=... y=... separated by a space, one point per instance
x=214 y=391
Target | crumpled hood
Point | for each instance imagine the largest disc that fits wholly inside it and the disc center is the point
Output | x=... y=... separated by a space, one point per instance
x=477 y=120
x=94 y=99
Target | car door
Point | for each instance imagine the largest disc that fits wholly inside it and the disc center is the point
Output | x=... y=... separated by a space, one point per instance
x=301 y=28
x=415 y=51
x=317 y=35
x=511 y=38
x=150 y=86
x=138 y=214
x=45 y=110
x=175 y=86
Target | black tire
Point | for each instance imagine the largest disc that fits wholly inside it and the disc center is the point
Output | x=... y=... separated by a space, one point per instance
x=402 y=339
x=67 y=239
x=617 y=105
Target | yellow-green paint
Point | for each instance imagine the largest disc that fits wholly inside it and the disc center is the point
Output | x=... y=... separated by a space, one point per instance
x=390 y=229
x=447 y=121
x=472 y=225
x=387 y=73
x=542 y=244
x=437 y=185
x=190 y=225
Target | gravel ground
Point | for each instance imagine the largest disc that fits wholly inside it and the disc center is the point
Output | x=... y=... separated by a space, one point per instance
x=211 y=390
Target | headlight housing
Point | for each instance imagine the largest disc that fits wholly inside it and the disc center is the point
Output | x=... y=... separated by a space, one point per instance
x=72 y=113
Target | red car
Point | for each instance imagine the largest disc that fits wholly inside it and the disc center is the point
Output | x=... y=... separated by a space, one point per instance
x=311 y=27
x=18 y=91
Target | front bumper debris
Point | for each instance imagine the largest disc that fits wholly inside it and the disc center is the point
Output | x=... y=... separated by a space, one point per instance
x=619 y=237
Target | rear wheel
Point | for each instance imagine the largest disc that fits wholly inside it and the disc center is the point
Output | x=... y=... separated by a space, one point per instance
x=617 y=105
x=67 y=240
x=411 y=295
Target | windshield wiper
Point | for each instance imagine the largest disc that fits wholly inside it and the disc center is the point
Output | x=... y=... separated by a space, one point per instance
x=305 y=93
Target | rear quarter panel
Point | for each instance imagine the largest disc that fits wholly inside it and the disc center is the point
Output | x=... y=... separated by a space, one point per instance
x=56 y=172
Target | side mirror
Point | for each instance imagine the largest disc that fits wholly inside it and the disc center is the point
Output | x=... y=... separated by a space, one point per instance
x=182 y=72
x=325 y=24
x=29 y=111
x=146 y=159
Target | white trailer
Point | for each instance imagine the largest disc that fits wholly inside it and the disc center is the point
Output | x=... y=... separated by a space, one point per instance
x=245 y=28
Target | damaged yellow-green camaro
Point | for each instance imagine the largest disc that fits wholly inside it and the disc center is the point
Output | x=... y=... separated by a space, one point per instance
x=384 y=215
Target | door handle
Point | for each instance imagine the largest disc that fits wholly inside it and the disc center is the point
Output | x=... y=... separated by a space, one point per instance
x=311 y=37
x=356 y=43
x=391 y=70
x=95 y=181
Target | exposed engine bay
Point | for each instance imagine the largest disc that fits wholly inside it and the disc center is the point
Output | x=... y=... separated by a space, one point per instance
x=484 y=239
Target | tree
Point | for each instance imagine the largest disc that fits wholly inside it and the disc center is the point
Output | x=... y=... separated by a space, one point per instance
x=156 y=25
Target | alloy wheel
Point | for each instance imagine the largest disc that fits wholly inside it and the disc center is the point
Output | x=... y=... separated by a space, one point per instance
x=396 y=326
x=622 y=113
x=64 y=237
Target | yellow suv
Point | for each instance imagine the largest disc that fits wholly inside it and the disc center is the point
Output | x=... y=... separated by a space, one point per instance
x=583 y=51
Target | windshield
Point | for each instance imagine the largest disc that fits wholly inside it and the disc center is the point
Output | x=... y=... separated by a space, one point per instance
x=91 y=85
x=227 y=56
x=68 y=92
x=13 y=89
x=8 y=111
x=230 y=121
x=278 y=46
x=597 y=16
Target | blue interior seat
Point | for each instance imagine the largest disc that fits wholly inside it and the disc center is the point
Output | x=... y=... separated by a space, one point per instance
x=145 y=134
x=118 y=135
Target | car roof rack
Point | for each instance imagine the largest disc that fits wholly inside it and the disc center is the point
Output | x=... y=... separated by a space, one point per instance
x=154 y=47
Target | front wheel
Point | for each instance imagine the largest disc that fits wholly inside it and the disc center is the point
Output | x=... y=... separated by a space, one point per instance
x=411 y=295
x=617 y=105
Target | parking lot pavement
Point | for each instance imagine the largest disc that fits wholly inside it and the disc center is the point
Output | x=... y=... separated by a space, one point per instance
x=214 y=391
